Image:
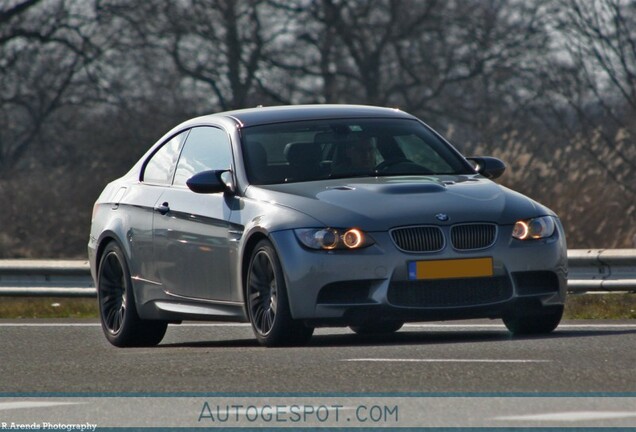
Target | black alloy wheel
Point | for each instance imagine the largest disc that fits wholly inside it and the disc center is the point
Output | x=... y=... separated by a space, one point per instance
x=120 y=322
x=267 y=301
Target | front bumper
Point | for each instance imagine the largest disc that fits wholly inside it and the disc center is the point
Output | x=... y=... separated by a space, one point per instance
x=370 y=284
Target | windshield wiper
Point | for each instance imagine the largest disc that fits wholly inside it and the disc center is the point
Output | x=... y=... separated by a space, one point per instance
x=404 y=173
x=351 y=175
x=390 y=174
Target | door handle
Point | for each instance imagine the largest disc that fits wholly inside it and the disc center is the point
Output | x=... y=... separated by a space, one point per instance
x=163 y=208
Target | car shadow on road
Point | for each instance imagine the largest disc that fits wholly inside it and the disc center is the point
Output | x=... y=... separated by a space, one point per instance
x=407 y=338
x=559 y=334
x=451 y=337
x=441 y=337
x=225 y=343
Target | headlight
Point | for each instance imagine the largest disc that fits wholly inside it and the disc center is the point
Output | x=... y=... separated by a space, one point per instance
x=536 y=228
x=331 y=238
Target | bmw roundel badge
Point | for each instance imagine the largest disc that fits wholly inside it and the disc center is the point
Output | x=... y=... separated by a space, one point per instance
x=442 y=217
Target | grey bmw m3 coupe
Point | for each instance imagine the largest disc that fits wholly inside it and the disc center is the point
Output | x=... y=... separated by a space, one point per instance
x=297 y=217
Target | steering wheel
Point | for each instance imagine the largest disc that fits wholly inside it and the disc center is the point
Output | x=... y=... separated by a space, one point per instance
x=388 y=163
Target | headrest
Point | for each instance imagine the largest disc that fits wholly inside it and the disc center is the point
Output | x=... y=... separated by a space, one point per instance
x=325 y=137
x=303 y=153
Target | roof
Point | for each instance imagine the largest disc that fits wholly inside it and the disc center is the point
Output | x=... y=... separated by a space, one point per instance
x=275 y=114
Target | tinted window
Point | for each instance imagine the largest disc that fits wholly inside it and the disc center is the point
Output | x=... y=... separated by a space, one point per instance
x=207 y=148
x=160 y=167
x=321 y=149
x=419 y=151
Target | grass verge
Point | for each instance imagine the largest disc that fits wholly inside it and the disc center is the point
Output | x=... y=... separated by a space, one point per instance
x=601 y=306
x=588 y=306
x=47 y=307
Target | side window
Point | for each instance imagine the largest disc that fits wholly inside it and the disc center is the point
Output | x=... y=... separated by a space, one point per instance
x=207 y=148
x=161 y=165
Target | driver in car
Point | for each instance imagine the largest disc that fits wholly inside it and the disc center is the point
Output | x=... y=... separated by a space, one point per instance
x=359 y=156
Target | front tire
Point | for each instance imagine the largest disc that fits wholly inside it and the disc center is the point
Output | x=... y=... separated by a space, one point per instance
x=118 y=315
x=267 y=301
x=542 y=321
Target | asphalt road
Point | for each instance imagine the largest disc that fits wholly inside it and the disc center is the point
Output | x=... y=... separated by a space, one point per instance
x=467 y=356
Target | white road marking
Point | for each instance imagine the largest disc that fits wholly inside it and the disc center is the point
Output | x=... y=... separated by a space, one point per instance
x=571 y=416
x=34 y=404
x=449 y=360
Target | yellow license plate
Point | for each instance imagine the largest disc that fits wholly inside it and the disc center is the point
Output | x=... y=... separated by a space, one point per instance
x=451 y=269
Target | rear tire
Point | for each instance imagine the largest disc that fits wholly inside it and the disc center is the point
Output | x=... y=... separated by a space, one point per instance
x=541 y=321
x=267 y=301
x=378 y=328
x=117 y=311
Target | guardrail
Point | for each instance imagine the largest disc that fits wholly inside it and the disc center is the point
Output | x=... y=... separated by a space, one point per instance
x=46 y=278
x=590 y=270
x=601 y=270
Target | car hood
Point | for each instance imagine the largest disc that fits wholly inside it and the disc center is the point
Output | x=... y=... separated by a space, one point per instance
x=381 y=203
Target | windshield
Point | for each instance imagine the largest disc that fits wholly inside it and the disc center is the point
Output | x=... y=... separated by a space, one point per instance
x=322 y=149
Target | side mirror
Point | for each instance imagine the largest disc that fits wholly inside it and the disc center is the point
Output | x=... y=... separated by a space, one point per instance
x=487 y=166
x=208 y=182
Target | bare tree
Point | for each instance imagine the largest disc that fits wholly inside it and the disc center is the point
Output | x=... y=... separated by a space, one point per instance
x=593 y=83
x=601 y=39
x=45 y=56
x=218 y=44
x=452 y=61
x=85 y=88
x=355 y=44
